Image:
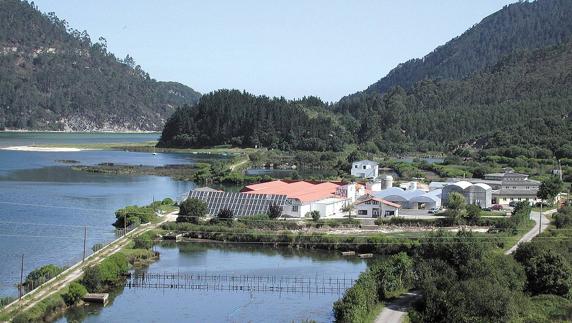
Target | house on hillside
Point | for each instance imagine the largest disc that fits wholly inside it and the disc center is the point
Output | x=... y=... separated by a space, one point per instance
x=365 y=169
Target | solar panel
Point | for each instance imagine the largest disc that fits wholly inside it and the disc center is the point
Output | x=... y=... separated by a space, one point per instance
x=240 y=203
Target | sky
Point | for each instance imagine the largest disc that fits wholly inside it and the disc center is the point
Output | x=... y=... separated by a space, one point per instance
x=290 y=48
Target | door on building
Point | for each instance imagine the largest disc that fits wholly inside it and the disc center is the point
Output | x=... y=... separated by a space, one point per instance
x=375 y=213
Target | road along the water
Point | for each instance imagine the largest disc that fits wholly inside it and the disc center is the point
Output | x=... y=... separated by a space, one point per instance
x=76 y=271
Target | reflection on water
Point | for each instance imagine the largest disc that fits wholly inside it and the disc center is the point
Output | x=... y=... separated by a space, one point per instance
x=174 y=305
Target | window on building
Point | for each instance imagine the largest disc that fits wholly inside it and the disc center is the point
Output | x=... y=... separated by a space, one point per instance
x=364 y=167
x=356 y=166
x=294 y=208
x=362 y=212
x=389 y=213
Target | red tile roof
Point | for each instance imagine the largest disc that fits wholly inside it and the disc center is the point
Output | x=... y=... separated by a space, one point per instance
x=303 y=191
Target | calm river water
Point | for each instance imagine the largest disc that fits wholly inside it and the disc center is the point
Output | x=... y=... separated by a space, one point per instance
x=174 y=305
x=44 y=205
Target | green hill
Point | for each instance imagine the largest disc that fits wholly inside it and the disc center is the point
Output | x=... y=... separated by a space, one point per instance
x=245 y=120
x=519 y=26
x=525 y=100
x=522 y=102
x=53 y=77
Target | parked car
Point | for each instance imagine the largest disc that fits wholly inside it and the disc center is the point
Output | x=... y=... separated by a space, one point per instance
x=434 y=210
x=512 y=203
x=496 y=207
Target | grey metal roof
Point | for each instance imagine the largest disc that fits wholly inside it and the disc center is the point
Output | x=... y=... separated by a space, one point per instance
x=510 y=192
x=240 y=203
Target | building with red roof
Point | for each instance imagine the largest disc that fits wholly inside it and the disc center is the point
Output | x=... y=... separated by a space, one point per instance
x=303 y=196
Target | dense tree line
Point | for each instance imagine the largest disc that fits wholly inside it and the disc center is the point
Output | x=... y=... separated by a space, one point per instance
x=55 y=77
x=525 y=100
x=522 y=25
x=245 y=120
x=522 y=104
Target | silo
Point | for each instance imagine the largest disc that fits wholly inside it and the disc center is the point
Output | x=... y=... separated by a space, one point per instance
x=387 y=182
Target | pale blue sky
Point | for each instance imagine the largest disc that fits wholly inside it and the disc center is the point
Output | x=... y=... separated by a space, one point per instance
x=290 y=48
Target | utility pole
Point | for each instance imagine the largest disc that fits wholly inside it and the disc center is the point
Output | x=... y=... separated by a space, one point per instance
x=540 y=222
x=84 y=241
x=21 y=278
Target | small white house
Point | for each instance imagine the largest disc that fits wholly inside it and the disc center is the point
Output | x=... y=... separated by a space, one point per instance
x=376 y=207
x=365 y=169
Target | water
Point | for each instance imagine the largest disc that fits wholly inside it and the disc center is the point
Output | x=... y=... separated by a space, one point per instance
x=173 y=305
x=44 y=205
x=49 y=138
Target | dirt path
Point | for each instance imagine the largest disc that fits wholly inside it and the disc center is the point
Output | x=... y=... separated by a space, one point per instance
x=394 y=311
x=76 y=271
x=235 y=165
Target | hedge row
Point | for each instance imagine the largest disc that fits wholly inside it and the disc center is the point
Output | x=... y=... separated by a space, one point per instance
x=383 y=279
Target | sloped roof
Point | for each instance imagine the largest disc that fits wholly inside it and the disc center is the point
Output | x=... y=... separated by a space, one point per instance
x=303 y=191
x=380 y=201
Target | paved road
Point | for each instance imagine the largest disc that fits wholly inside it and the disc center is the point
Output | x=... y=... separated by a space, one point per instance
x=534 y=231
x=395 y=311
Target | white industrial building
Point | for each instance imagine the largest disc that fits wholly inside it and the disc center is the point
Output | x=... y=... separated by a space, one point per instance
x=412 y=199
x=479 y=194
x=365 y=169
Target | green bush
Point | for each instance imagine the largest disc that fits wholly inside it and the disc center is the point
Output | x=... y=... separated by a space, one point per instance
x=383 y=279
x=192 y=210
x=42 y=310
x=105 y=274
x=133 y=215
x=168 y=201
x=40 y=275
x=74 y=294
x=144 y=241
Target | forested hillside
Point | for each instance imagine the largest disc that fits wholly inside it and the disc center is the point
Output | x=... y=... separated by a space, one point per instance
x=525 y=100
x=53 y=77
x=520 y=26
x=244 y=120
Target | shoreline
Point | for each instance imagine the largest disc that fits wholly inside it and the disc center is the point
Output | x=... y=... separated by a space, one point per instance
x=43 y=149
x=85 y=132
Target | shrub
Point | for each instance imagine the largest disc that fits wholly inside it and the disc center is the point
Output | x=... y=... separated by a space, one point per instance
x=105 y=274
x=42 y=310
x=40 y=275
x=315 y=215
x=226 y=214
x=167 y=201
x=133 y=215
x=274 y=211
x=74 y=294
x=144 y=241
x=383 y=279
x=192 y=210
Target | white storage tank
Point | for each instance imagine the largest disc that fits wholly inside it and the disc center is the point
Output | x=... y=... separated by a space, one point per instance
x=387 y=182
